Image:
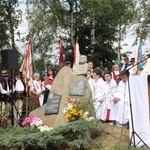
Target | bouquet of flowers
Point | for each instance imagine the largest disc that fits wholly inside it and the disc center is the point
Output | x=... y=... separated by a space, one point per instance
x=32 y=121
x=73 y=110
x=35 y=122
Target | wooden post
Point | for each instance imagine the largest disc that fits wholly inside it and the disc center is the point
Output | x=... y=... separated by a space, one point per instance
x=27 y=97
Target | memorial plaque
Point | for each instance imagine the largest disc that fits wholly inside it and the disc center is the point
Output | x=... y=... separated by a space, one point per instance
x=53 y=102
x=77 y=88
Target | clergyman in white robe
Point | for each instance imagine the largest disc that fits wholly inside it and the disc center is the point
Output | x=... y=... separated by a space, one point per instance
x=120 y=109
x=109 y=88
x=98 y=86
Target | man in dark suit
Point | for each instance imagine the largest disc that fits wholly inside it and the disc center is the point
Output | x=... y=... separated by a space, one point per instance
x=5 y=92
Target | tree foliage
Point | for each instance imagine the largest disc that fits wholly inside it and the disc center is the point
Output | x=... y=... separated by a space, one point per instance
x=10 y=17
x=68 y=19
x=142 y=20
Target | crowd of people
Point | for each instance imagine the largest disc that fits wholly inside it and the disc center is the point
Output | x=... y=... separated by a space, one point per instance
x=16 y=89
x=109 y=90
x=14 y=92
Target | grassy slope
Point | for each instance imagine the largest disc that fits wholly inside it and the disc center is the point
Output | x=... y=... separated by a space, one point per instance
x=114 y=138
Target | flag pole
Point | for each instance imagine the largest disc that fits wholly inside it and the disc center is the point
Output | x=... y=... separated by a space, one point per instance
x=26 y=69
x=27 y=97
x=28 y=77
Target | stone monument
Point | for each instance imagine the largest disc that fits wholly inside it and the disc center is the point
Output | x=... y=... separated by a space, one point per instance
x=65 y=84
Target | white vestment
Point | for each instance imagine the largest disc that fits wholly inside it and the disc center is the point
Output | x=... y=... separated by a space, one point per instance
x=147 y=67
x=109 y=88
x=98 y=86
x=140 y=110
x=120 y=110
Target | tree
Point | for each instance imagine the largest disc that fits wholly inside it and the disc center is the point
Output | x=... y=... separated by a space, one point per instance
x=112 y=19
x=10 y=19
x=52 y=19
x=143 y=18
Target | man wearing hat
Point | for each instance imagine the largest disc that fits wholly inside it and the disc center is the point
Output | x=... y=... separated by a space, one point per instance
x=2 y=72
x=5 y=91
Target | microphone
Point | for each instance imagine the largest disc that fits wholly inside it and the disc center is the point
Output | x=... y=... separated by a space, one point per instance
x=148 y=55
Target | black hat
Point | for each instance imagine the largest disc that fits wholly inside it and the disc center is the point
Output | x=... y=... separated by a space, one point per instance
x=18 y=73
x=5 y=75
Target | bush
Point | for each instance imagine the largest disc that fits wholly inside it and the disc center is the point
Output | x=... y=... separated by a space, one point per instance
x=76 y=135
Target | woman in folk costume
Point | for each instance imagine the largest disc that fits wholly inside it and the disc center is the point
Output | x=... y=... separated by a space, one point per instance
x=37 y=88
x=49 y=78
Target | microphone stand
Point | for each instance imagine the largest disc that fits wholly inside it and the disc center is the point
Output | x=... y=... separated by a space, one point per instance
x=133 y=133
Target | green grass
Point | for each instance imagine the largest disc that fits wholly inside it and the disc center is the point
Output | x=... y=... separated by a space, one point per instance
x=114 y=138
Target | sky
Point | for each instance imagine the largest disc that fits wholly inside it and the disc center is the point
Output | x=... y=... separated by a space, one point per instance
x=130 y=38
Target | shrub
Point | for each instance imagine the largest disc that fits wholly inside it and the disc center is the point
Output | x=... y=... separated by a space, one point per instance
x=76 y=135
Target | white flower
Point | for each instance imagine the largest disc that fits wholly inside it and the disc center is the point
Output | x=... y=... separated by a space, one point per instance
x=68 y=106
x=36 y=123
x=86 y=115
x=44 y=128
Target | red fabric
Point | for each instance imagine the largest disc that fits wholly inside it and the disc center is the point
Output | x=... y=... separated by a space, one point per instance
x=51 y=80
x=26 y=67
x=107 y=114
x=48 y=80
x=61 y=57
x=114 y=75
x=35 y=101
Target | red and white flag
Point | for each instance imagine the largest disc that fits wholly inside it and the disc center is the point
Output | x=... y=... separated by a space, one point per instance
x=26 y=67
x=61 y=56
x=76 y=54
